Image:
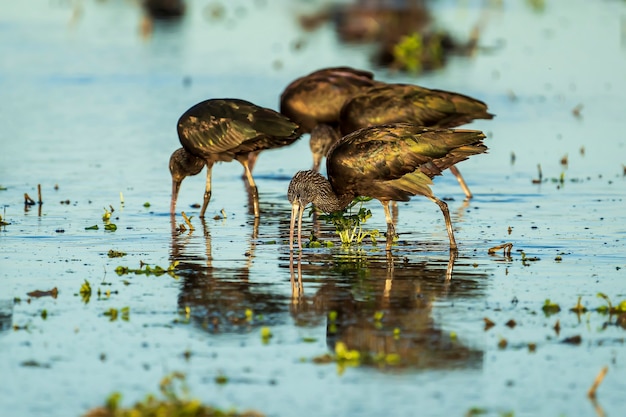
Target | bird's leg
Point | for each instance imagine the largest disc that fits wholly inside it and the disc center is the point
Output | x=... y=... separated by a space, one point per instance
x=455 y=171
x=450 y=267
x=446 y=215
x=391 y=230
x=254 y=192
x=252 y=157
x=394 y=211
x=207 y=189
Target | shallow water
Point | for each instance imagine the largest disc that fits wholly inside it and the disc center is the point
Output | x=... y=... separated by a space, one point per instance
x=91 y=106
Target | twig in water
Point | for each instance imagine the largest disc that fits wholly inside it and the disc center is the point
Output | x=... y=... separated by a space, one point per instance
x=596 y=383
x=28 y=201
x=188 y=221
x=506 y=246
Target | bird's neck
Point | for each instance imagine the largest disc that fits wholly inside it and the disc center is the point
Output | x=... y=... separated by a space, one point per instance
x=328 y=201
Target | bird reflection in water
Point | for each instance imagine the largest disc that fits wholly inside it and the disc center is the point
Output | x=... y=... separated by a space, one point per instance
x=385 y=310
x=221 y=299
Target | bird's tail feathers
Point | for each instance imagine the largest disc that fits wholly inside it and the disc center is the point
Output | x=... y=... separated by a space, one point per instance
x=413 y=183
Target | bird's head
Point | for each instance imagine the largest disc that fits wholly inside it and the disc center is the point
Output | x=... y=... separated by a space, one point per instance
x=302 y=188
x=323 y=137
x=182 y=164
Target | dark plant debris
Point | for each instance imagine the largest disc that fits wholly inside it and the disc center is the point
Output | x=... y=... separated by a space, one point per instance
x=38 y=293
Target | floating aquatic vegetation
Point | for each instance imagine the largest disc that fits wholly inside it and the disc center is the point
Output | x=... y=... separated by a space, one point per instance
x=115 y=254
x=414 y=52
x=266 y=335
x=609 y=308
x=114 y=313
x=85 y=291
x=175 y=403
x=107 y=215
x=146 y=269
x=94 y=227
x=550 y=308
x=349 y=226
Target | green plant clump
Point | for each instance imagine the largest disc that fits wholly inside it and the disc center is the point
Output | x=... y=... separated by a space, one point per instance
x=172 y=404
x=349 y=226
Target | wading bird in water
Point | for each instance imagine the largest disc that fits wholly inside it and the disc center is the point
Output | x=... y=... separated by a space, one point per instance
x=220 y=130
x=388 y=162
x=332 y=102
x=316 y=99
x=393 y=103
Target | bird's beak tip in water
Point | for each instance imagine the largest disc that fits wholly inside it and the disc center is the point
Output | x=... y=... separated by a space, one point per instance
x=175 y=188
x=295 y=210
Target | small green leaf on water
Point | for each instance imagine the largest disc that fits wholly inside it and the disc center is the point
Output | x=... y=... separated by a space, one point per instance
x=345 y=354
x=115 y=253
x=475 y=411
x=107 y=215
x=221 y=379
x=44 y=314
x=396 y=333
x=578 y=308
x=94 y=227
x=378 y=315
x=111 y=227
x=111 y=313
x=266 y=334
x=332 y=315
x=85 y=291
x=309 y=339
x=146 y=204
x=392 y=359
x=550 y=307
x=125 y=313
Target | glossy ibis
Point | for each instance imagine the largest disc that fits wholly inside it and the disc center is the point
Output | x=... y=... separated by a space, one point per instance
x=388 y=162
x=317 y=98
x=392 y=103
x=220 y=130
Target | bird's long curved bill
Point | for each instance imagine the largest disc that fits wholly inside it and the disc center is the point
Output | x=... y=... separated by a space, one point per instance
x=175 y=188
x=296 y=211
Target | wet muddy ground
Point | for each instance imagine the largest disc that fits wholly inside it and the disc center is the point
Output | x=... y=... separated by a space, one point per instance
x=89 y=108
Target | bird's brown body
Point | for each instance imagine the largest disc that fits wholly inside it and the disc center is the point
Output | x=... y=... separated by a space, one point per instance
x=220 y=130
x=317 y=98
x=393 y=103
x=390 y=163
x=347 y=99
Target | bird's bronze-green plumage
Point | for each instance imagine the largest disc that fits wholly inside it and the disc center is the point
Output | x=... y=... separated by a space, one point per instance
x=391 y=103
x=222 y=128
x=375 y=161
x=317 y=98
x=389 y=162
